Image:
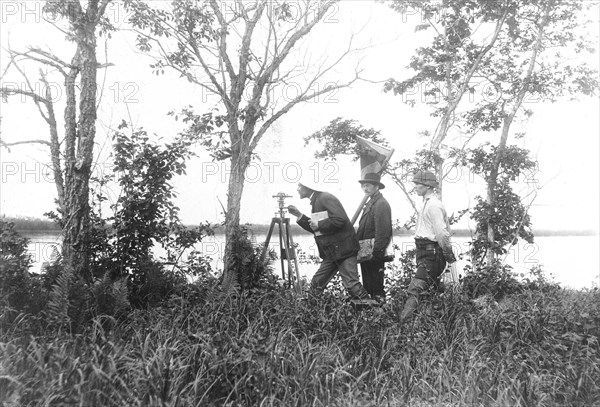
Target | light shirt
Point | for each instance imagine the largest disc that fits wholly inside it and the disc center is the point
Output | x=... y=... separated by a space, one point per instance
x=432 y=223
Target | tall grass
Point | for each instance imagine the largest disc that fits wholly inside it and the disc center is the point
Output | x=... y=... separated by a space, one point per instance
x=268 y=348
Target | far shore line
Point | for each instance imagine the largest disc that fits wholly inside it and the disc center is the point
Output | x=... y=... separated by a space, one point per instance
x=35 y=226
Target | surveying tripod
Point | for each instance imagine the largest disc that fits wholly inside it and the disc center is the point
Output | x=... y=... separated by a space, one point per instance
x=286 y=243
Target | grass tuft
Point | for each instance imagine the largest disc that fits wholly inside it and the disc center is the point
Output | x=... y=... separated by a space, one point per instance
x=268 y=348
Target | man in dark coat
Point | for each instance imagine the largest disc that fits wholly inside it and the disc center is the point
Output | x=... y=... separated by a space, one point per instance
x=375 y=223
x=335 y=238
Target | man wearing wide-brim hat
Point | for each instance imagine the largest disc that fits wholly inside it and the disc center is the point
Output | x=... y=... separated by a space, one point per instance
x=432 y=239
x=335 y=238
x=374 y=225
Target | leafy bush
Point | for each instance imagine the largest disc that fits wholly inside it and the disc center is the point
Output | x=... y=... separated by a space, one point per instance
x=123 y=266
x=506 y=215
x=252 y=268
x=496 y=281
x=20 y=291
x=499 y=280
x=399 y=273
x=144 y=216
x=14 y=265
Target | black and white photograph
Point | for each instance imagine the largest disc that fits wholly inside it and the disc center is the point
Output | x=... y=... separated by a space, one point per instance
x=345 y=203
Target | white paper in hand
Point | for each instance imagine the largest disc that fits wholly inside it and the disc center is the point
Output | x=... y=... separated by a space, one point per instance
x=316 y=217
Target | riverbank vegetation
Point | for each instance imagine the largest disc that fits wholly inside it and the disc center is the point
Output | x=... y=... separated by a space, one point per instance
x=489 y=341
x=111 y=323
x=535 y=348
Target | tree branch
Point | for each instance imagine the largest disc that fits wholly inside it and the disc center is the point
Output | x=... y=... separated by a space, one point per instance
x=16 y=143
x=222 y=40
x=400 y=183
x=442 y=127
x=297 y=35
x=301 y=98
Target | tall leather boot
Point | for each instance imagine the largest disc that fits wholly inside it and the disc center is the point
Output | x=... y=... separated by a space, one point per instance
x=415 y=288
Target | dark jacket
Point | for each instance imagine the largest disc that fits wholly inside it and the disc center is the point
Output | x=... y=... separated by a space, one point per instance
x=376 y=222
x=338 y=239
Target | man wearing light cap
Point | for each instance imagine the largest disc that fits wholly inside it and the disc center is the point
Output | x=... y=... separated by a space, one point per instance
x=335 y=238
x=432 y=238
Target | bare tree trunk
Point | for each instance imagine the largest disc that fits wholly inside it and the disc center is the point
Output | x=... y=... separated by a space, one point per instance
x=491 y=237
x=232 y=220
x=79 y=154
x=72 y=166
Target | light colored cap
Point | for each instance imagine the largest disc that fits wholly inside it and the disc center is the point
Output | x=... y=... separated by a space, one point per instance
x=426 y=178
x=309 y=183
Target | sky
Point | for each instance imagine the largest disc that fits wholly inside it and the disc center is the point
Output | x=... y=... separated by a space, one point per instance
x=563 y=136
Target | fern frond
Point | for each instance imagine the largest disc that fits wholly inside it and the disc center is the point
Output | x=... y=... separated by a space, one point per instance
x=58 y=304
x=121 y=296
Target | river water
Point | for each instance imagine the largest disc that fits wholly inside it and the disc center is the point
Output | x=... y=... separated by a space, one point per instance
x=573 y=261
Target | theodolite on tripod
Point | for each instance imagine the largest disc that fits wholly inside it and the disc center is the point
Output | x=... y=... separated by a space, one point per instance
x=286 y=243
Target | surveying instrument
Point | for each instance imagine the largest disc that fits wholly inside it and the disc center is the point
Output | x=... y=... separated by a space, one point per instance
x=286 y=243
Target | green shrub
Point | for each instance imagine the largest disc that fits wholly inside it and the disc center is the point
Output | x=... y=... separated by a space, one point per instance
x=20 y=291
x=144 y=217
x=253 y=270
x=496 y=281
x=399 y=273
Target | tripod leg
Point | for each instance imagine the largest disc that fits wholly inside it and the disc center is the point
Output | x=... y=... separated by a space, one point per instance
x=291 y=243
x=289 y=251
x=266 y=247
x=280 y=251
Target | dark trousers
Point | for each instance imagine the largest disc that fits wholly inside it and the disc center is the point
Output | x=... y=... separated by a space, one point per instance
x=430 y=261
x=430 y=265
x=372 y=277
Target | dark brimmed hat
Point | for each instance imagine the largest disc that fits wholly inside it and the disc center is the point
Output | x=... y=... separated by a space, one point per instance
x=372 y=178
x=425 y=178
